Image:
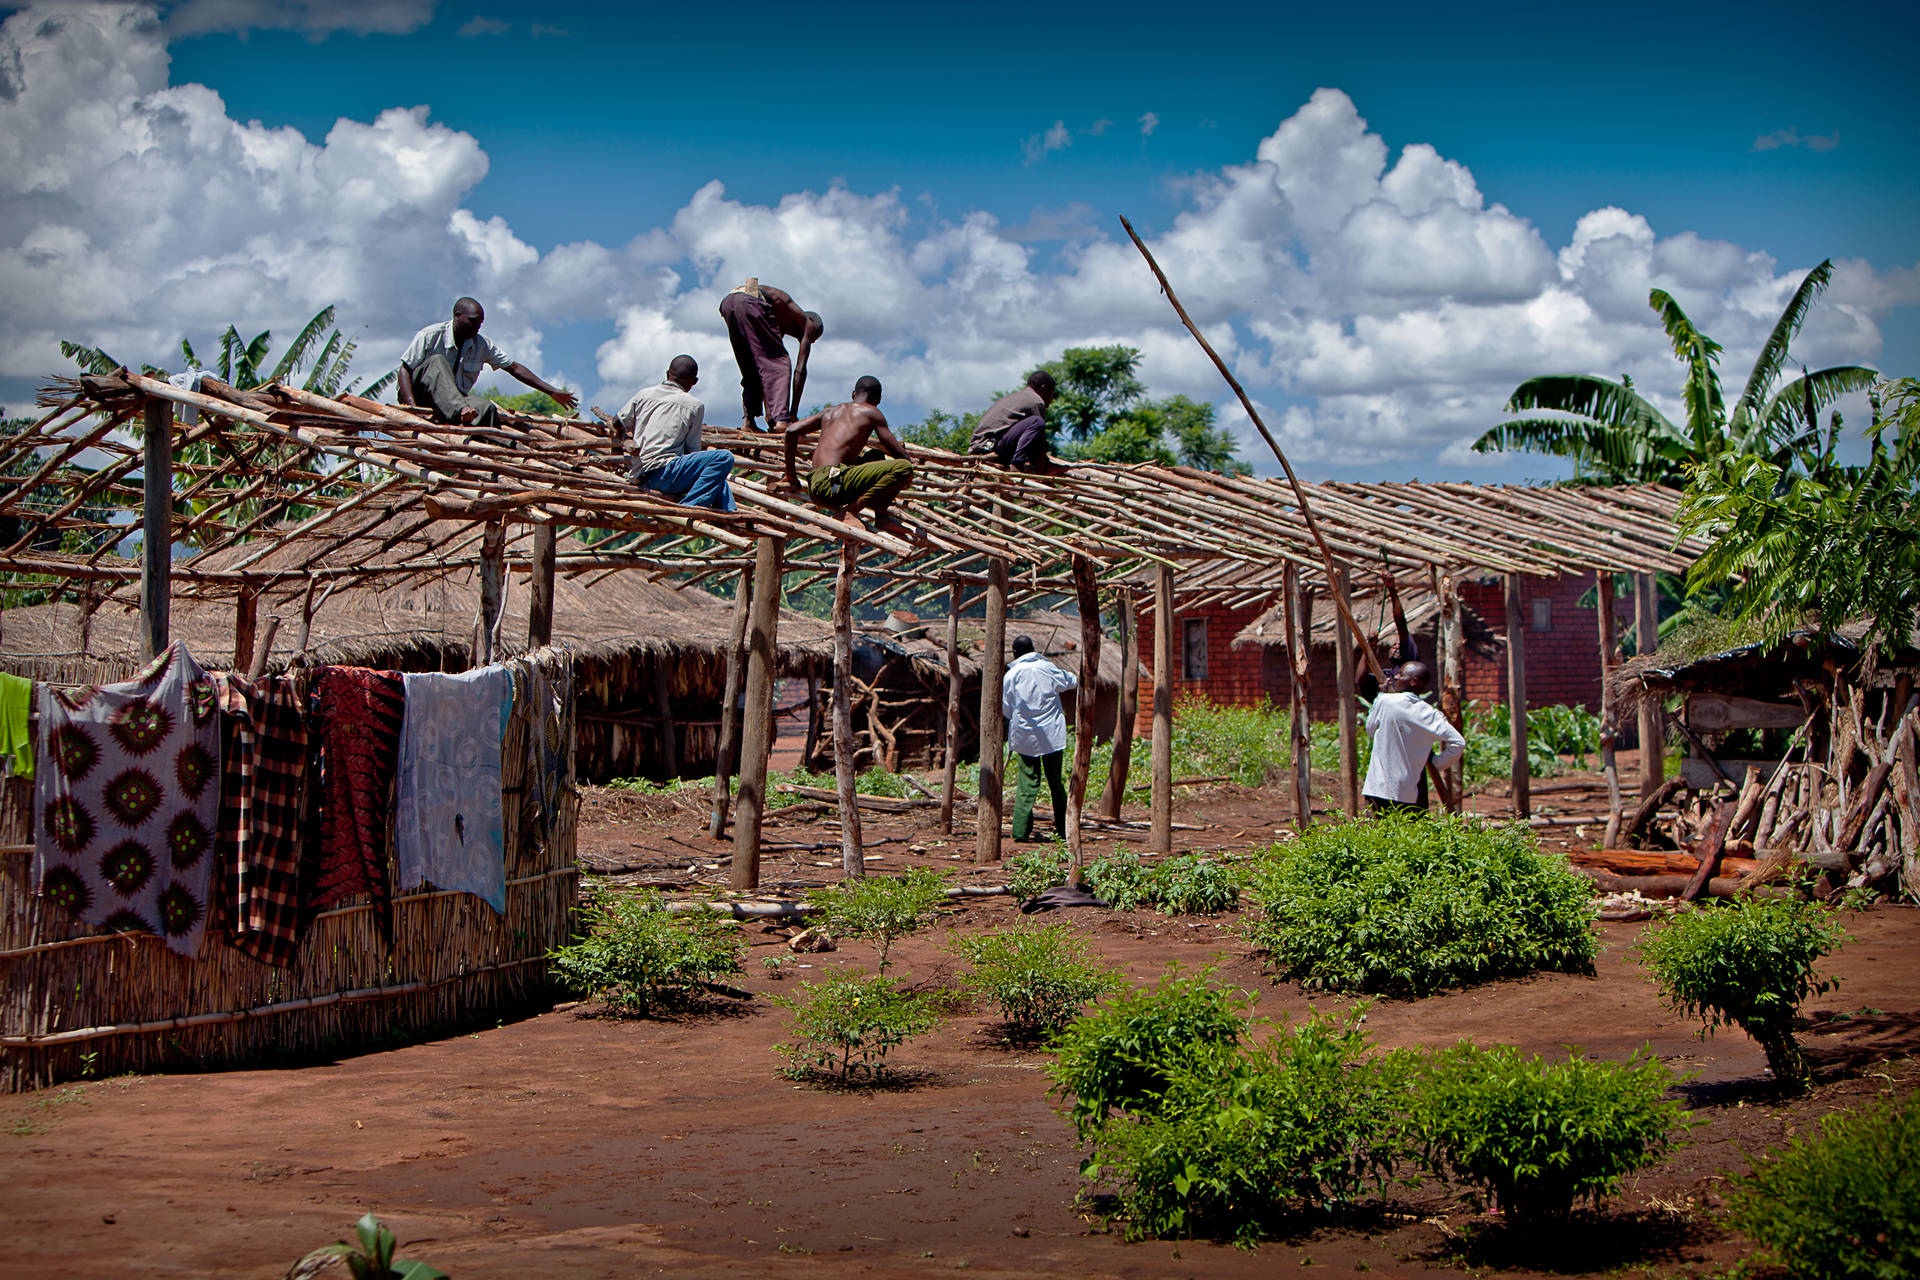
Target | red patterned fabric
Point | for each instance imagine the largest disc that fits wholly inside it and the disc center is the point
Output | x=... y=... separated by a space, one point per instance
x=265 y=761
x=359 y=714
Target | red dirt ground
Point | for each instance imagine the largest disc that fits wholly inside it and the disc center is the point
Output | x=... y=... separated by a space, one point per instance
x=574 y=1145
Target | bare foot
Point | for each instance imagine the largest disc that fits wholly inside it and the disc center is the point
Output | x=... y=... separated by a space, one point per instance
x=886 y=522
x=851 y=521
x=467 y=416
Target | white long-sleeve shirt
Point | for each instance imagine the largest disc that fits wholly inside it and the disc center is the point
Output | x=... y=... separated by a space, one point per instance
x=1404 y=730
x=1030 y=699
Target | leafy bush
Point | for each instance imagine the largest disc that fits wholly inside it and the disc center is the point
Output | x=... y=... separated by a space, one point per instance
x=845 y=1024
x=1240 y=1135
x=374 y=1259
x=1040 y=978
x=1191 y=886
x=1036 y=871
x=1248 y=744
x=1552 y=732
x=1844 y=1202
x=1537 y=1136
x=648 y=787
x=636 y=956
x=1121 y=1057
x=1747 y=965
x=1407 y=906
x=881 y=907
x=1121 y=880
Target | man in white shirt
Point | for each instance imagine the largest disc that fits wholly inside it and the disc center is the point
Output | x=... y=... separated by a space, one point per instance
x=442 y=362
x=1405 y=730
x=1036 y=732
x=662 y=425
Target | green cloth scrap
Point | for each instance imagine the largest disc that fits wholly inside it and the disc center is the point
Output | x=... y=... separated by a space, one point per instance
x=16 y=695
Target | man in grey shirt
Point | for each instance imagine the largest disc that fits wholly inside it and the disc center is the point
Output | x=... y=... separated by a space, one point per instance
x=662 y=424
x=442 y=362
x=1014 y=430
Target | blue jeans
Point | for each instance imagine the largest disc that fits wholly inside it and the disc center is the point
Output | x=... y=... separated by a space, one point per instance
x=695 y=480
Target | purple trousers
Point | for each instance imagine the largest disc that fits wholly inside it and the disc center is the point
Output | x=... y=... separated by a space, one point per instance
x=760 y=349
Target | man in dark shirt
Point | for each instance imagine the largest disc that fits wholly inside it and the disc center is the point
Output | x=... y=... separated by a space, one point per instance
x=760 y=319
x=1014 y=430
x=846 y=474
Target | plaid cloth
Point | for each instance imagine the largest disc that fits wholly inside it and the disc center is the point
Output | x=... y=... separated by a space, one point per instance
x=359 y=713
x=265 y=761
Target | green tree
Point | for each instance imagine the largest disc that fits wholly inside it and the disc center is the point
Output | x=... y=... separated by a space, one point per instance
x=533 y=404
x=1613 y=435
x=238 y=362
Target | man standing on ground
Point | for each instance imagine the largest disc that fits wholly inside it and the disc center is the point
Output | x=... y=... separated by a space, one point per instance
x=845 y=474
x=760 y=319
x=1036 y=733
x=662 y=425
x=443 y=360
x=1014 y=430
x=1405 y=730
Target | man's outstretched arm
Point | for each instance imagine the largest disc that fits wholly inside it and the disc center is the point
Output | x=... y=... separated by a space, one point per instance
x=562 y=397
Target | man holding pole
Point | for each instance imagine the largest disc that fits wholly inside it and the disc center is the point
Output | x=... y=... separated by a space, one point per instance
x=1405 y=729
x=1037 y=733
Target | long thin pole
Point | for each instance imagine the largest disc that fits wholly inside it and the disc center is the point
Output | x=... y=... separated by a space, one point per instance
x=156 y=527
x=1086 y=590
x=852 y=850
x=1521 y=774
x=1349 y=718
x=540 y=572
x=1128 y=706
x=756 y=726
x=724 y=751
x=1646 y=608
x=1160 y=839
x=993 y=727
x=949 y=780
x=1609 y=763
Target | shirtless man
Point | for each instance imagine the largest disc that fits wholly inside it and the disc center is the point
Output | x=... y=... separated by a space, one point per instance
x=845 y=474
x=760 y=318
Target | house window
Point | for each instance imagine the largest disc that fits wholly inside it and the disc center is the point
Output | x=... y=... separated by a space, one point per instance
x=1193 y=650
x=1543 y=615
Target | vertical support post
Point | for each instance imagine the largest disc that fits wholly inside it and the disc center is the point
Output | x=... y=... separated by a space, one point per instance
x=1646 y=612
x=756 y=725
x=1086 y=591
x=1603 y=607
x=1517 y=699
x=1128 y=705
x=1296 y=606
x=723 y=751
x=669 y=735
x=493 y=580
x=1160 y=836
x=1453 y=692
x=951 y=764
x=156 y=528
x=540 y=606
x=852 y=850
x=1345 y=678
x=246 y=625
x=993 y=724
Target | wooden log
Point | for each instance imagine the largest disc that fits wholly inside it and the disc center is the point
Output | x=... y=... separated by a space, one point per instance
x=493 y=579
x=1710 y=848
x=1522 y=772
x=1299 y=625
x=156 y=528
x=1129 y=704
x=1656 y=862
x=540 y=575
x=1669 y=886
x=1161 y=840
x=845 y=776
x=951 y=763
x=756 y=728
x=1453 y=694
x=1863 y=802
x=724 y=750
x=993 y=724
x=1348 y=717
x=1646 y=613
x=663 y=703
x=1086 y=590
x=1650 y=805
x=263 y=651
x=246 y=624
x=1609 y=729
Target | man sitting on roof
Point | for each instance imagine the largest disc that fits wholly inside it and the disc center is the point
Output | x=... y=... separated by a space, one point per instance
x=443 y=360
x=845 y=473
x=1014 y=430
x=662 y=425
x=760 y=319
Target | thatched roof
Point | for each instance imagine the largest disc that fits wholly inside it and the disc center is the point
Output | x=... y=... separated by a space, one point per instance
x=1761 y=671
x=1054 y=635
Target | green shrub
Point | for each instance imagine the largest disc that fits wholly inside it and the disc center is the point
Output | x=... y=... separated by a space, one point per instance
x=1247 y=744
x=1036 y=871
x=1040 y=978
x=1552 y=732
x=1192 y=886
x=636 y=956
x=1241 y=1135
x=1121 y=1057
x=880 y=907
x=1537 y=1136
x=1407 y=906
x=1746 y=965
x=1120 y=880
x=373 y=1260
x=1844 y=1202
x=648 y=787
x=845 y=1024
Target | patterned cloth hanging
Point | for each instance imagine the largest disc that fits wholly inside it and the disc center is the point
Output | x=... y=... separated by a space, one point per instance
x=127 y=795
x=265 y=769
x=447 y=821
x=545 y=688
x=359 y=714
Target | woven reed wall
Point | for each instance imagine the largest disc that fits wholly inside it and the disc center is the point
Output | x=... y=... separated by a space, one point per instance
x=453 y=958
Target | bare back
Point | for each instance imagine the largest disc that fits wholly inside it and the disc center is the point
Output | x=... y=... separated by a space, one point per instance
x=844 y=432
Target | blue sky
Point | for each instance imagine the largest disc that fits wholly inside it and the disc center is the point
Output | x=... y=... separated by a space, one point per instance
x=893 y=167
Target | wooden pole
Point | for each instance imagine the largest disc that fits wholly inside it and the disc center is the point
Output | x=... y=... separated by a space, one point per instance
x=1453 y=694
x=1086 y=591
x=993 y=725
x=1161 y=836
x=1345 y=677
x=951 y=765
x=663 y=699
x=1609 y=764
x=723 y=753
x=756 y=725
x=1517 y=699
x=1128 y=708
x=246 y=625
x=493 y=577
x=1298 y=626
x=1646 y=612
x=540 y=607
x=845 y=776
x=263 y=652
x=156 y=528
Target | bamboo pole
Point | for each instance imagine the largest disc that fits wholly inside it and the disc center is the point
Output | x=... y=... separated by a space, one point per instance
x=540 y=570
x=756 y=730
x=852 y=850
x=1646 y=613
x=1161 y=839
x=1349 y=717
x=156 y=528
x=1517 y=698
x=1086 y=590
x=1609 y=762
x=1129 y=704
x=493 y=576
x=730 y=707
x=993 y=725
x=951 y=765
